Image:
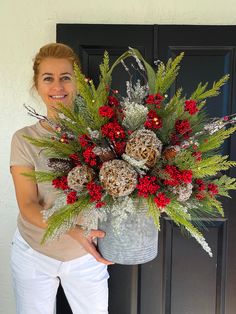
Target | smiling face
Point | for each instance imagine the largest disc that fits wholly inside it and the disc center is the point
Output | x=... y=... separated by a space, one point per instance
x=56 y=83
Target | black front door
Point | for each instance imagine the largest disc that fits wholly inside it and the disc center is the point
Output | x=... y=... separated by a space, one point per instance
x=182 y=279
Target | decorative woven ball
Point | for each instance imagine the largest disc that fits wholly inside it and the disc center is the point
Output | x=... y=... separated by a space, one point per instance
x=144 y=145
x=183 y=191
x=118 y=178
x=79 y=176
x=170 y=152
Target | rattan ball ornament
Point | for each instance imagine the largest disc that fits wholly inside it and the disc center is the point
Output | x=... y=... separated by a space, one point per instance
x=183 y=191
x=144 y=145
x=118 y=178
x=79 y=176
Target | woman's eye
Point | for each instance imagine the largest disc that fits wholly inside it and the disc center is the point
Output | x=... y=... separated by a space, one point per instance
x=65 y=78
x=48 y=79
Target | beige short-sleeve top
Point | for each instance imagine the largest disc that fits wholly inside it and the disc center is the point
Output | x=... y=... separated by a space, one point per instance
x=25 y=154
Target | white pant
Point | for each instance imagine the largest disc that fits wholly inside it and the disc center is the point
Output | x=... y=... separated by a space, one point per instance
x=36 y=278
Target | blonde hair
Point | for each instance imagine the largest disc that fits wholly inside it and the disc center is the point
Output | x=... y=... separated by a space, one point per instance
x=53 y=50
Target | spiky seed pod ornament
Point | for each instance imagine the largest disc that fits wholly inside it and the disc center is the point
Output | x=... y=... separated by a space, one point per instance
x=60 y=164
x=79 y=176
x=170 y=152
x=183 y=192
x=144 y=145
x=118 y=178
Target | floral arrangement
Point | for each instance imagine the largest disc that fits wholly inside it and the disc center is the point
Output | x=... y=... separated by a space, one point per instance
x=113 y=153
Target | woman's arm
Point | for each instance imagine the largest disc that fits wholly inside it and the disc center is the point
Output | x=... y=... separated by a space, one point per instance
x=27 y=196
x=27 y=199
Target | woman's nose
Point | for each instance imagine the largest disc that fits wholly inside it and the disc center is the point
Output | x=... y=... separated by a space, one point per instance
x=58 y=85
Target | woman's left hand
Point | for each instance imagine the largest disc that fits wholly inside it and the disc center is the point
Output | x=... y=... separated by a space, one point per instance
x=88 y=244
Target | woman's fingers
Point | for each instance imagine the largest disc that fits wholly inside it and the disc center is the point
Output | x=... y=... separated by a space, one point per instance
x=91 y=248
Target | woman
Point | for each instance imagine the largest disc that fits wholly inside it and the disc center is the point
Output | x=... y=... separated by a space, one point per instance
x=73 y=259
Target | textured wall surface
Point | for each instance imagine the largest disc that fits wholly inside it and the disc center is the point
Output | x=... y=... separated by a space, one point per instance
x=25 y=26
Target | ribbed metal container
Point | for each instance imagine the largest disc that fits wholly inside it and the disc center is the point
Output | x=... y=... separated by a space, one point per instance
x=136 y=243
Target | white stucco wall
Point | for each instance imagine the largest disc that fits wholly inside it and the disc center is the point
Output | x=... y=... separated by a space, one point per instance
x=26 y=25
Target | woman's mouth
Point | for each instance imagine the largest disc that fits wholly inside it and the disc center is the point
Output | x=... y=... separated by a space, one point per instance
x=58 y=97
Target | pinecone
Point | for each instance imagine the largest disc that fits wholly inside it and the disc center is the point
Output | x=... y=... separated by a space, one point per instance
x=60 y=164
x=170 y=152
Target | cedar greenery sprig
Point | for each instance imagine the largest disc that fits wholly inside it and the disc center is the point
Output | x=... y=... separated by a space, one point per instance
x=211 y=166
x=216 y=140
x=201 y=93
x=166 y=74
x=225 y=184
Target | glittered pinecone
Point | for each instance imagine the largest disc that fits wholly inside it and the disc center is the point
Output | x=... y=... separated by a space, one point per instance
x=118 y=178
x=183 y=191
x=79 y=176
x=60 y=164
x=170 y=152
x=144 y=145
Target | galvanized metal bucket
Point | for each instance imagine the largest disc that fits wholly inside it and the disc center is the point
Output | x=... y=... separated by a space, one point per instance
x=135 y=243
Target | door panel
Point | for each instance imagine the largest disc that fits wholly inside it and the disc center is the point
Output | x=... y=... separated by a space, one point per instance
x=182 y=279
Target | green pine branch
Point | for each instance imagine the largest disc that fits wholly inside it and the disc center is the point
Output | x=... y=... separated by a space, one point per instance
x=41 y=176
x=53 y=148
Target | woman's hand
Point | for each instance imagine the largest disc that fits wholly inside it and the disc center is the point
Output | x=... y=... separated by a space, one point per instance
x=87 y=242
